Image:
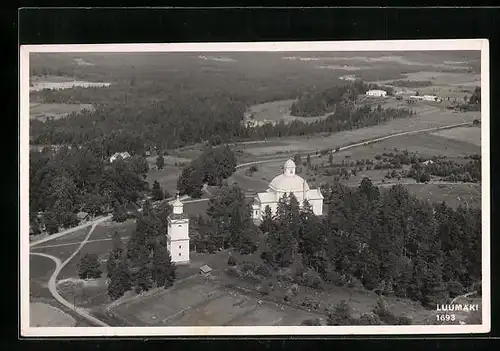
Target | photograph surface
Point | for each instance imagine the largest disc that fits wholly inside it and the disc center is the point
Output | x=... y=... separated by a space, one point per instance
x=330 y=188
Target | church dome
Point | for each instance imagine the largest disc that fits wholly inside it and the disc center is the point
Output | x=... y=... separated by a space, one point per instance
x=288 y=182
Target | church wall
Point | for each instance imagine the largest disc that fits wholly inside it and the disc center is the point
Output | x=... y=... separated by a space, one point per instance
x=317 y=206
x=179 y=250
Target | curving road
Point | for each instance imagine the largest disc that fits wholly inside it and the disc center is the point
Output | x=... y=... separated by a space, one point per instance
x=52 y=285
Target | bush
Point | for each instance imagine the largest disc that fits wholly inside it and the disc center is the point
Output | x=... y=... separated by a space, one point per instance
x=404 y=320
x=382 y=311
x=454 y=288
x=231 y=261
x=335 y=278
x=312 y=279
x=477 y=286
x=247 y=266
x=369 y=318
x=89 y=267
x=233 y=271
x=341 y=314
x=263 y=270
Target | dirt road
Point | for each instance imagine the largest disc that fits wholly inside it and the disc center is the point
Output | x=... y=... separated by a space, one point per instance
x=52 y=284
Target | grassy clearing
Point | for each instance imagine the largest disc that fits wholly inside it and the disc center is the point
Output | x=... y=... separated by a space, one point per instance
x=454 y=194
x=279 y=110
x=44 y=315
x=42 y=111
x=77 y=235
x=40 y=270
x=167 y=177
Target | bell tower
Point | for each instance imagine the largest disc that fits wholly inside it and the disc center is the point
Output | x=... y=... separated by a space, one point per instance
x=178 y=233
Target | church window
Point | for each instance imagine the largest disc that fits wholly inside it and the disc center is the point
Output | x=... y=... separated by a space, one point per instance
x=180 y=225
x=180 y=254
x=180 y=246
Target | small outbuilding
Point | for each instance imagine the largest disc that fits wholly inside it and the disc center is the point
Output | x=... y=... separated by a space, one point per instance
x=205 y=271
x=82 y=216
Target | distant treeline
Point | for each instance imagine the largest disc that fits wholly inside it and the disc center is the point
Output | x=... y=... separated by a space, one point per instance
x=320 y=102
x=411 y=83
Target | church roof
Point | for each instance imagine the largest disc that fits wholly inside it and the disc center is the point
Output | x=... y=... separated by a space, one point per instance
x=314 y=194
x=266 y=197
x=289 y=183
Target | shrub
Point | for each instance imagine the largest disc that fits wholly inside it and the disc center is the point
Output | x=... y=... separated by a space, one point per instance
x=312 y=279
x=454 y=288
x=341 y=314
x=263 y=270
x=404 y=320
x=247 y=266
x=477 y=286
x=369 y=318
x=382 y=311
x=231 y=261
x=253 y=169
x=233 y=271
x=335 y=278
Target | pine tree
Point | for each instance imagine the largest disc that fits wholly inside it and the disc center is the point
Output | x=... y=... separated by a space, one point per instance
x=157 y=191
x=120 y=281
x=160 y=161
x=115 y=255
x=88 y=267
x=267 y=220
x=341 y=314
x=163 y=269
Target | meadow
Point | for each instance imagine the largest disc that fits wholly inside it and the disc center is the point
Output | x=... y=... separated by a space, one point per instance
x=43 y=111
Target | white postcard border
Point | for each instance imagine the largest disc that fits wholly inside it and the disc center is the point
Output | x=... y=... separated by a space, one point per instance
x=324 y=46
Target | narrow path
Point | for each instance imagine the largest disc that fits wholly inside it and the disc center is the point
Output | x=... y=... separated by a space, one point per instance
x=52 y=285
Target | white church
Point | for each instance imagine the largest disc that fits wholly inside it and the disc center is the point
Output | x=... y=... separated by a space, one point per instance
x=284 y=184
x=178 y=233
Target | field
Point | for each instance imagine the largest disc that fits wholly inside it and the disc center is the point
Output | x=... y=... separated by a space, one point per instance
x=43 y=315
x=275 y=111
x=427 y=117
x=42 y=111
x=452 y=85
x=199 y=302
x=463 y=134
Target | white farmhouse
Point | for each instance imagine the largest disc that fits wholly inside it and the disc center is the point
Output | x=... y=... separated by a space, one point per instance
x=377 y=93
x=122 y=155
x=178 y=233
x=286 y=184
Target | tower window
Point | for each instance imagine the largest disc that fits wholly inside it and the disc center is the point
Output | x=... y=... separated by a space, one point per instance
x=180 y=225
x=180 y=254
x=180 y=246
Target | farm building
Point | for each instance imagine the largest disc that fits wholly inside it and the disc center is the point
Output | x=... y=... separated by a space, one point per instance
x=122 y=155
x=378 y=93
x=283 y=185
x=205 y=270
x=430 y=98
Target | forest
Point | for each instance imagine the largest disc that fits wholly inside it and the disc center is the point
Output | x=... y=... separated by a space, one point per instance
x=138 y=117
x=70 y=180
x=388 y=242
